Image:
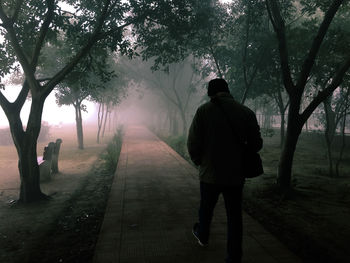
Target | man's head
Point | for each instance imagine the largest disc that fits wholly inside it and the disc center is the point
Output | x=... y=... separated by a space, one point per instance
x=217 y=85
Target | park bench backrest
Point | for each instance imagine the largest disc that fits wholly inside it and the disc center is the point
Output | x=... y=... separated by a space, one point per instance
x=48 y=163
x=56 y=151
x=48 y=151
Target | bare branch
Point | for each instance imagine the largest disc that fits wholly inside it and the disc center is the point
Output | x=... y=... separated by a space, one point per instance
x=22 y=96
x=168 y=97
x=216 y=61
x=287 y=104
x=4 y=103
x=296 y=18
x=322 y=95
x=316 y=44
x=43 y=31
x=8 y=25
x=17 y=9
x=27 y=68
x=83 y=51
x=102 y=35
x=44 y=79
x=5 y=20
x=279 y=27
x=189 y=92
x=173 y=87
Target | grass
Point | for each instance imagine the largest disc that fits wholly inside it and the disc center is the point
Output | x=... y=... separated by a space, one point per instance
x=178 y=143
x=76 y=229
x=64 y=229
x=111 y=155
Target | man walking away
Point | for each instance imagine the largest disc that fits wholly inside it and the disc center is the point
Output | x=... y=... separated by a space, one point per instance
x=215 y=145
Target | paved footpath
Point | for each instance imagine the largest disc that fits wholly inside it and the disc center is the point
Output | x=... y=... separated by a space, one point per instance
x=153 y=205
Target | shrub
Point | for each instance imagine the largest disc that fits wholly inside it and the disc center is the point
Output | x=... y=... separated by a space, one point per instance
x=178 y=143
x=111 y=155
x=267 y=132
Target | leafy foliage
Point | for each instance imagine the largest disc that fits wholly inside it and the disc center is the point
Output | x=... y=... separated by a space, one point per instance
x=113 y=150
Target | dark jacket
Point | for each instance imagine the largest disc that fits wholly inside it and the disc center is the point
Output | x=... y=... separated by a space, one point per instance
x=215 y=147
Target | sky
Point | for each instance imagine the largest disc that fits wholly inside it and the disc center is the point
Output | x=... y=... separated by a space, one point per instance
x=53 y=114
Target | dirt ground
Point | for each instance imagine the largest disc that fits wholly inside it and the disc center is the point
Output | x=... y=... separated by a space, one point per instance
x=24 y=229
x=314 y=220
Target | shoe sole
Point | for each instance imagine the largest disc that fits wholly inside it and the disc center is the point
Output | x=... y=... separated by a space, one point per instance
x=199 y=242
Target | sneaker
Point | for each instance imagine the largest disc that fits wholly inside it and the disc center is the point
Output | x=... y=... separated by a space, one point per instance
x=195 y=232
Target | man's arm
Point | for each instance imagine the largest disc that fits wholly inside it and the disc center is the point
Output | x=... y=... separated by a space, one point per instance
x=194 y=140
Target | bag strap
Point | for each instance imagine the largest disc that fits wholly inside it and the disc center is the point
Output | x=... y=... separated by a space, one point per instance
x=217 y=102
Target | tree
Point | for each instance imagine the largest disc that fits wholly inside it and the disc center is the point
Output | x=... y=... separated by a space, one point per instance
x=81 y=83
x=342 y=132
x=335 y=108
x=70 y=93
x=231 y=39
x=295 y=89
x=175 y=85
x=108 y=92
x=26 y=26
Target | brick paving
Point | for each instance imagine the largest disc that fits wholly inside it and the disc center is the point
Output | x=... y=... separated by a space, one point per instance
x=152 y=207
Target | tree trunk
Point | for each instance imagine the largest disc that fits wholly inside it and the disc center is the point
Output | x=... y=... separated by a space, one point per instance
x=174 y=125
x=26 y=144
x=267 y=121
x=282 y=108
x=79 y=125
x=340 y=158
x=167 y=122
x=99 y=120
x=282 y=129
x=105 y=121
x=29 y=172
x=307 y=126
x=329 y=133
x=184 y=122
x=109 y=121
x=294 y=128
x=115 y=119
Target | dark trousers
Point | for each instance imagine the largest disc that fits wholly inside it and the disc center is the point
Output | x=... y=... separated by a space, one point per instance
x=233 y=204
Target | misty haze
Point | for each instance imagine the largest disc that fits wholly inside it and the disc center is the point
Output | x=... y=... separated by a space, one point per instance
x=175 y=131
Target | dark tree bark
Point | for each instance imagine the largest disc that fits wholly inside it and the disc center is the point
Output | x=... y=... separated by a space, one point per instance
x=329 y=133
x=110 y=121
x=287 y=155
x=105 y=121
x=100 y=118
x=295 y=91
x=79 y=124
x=174 y=127
x=26 y=144
x=344 y=113
x=343 y=145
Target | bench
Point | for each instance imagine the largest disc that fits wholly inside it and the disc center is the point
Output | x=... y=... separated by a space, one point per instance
x=48 y=163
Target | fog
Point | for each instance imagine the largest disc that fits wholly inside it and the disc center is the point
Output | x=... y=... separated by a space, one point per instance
x=52 y=113
x=83 y=74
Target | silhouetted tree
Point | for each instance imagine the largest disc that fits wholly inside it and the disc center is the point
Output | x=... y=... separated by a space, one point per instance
x=296 y=82
x=26 y=26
